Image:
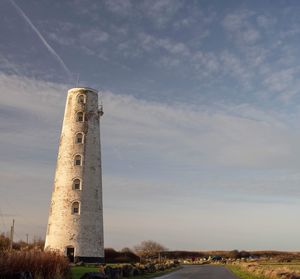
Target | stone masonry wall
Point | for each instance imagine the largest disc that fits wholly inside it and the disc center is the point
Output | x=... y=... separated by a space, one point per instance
x=83 y=231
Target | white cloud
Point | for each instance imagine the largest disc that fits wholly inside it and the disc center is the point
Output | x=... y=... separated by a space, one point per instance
x=234 y=67
x=266 y=21
x=197 y=137
x=120 y=7
x=94 y=36
x=280 y=81
x=77 y=36
x=160 y=12
x=206 y=62
x=283 y=82
x=234 y=21
x=150 y=43
x=227 y=136
x=9 y=66
x=62 y=40
x=239 y=27
x=251 y=35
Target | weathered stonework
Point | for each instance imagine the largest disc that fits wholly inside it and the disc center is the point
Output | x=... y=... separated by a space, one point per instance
x=78 y=185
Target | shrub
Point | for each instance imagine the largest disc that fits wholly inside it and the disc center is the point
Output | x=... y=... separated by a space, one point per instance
x=126 y=256
x=4 y=242
x=40 y=264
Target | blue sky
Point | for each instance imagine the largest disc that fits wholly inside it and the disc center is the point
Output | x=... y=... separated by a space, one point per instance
x=200 y=137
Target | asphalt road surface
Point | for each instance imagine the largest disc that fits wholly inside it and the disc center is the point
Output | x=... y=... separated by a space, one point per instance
x=200 y=272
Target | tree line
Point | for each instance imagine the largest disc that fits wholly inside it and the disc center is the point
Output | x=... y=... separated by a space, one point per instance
x=150 y=249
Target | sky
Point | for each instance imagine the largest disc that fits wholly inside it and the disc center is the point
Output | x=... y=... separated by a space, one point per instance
x=200 y=134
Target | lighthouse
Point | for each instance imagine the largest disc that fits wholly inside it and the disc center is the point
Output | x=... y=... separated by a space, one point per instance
x=75 y=224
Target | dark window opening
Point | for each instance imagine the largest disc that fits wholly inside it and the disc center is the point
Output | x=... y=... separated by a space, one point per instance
x=80 y=117
x=77 y=160
x=76 y=184
x=79 y=138
x=75 y=208
x=81 y=99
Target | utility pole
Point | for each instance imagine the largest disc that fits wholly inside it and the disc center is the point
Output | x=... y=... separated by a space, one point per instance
x=27 y=238
x=12 y=230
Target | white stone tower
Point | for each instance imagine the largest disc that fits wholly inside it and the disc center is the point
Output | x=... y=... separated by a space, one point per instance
x=75 y=225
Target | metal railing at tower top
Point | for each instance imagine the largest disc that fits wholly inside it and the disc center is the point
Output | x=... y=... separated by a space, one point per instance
x=100 y=110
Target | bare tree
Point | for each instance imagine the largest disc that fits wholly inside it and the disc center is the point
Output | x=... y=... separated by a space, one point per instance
x=126 y=250
x=149 y=249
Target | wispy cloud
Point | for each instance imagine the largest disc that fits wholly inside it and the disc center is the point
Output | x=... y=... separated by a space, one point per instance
x=149 y=43
x=120 y=7
x=46 y=44
x=173 y=135
x=266 y=21
x=161 y=11
x=201 y=136
x=94 y=36
x=240 y=28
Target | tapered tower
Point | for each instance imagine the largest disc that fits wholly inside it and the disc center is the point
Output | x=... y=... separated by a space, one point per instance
x=75 y=225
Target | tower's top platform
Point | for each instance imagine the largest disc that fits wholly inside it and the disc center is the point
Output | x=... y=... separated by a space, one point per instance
x=76 y=89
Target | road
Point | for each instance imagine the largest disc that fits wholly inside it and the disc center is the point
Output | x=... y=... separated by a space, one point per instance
x=200 y=272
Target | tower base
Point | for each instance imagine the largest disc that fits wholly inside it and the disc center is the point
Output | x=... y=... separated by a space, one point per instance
x=89 y=259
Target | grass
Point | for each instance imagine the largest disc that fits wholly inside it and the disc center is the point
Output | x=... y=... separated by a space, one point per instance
x=78 y=271
x=241 y=273
x=293 y=266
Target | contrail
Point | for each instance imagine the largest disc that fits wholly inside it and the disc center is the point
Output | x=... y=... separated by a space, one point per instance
x=56 y=56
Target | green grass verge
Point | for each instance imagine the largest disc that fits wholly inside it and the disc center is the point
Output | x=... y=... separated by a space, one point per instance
x=78 y=271
x=240 y=273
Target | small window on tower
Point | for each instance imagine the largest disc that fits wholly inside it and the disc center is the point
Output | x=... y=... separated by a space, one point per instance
x=80 y=117
x=81 y=99
x=76 y=184
x=75 y=208
x=77 y=160
x=79 y=138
